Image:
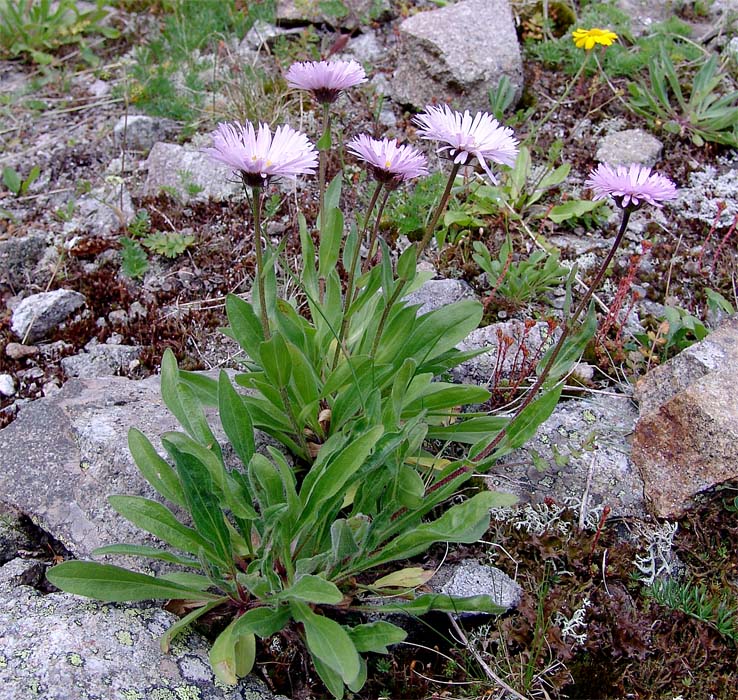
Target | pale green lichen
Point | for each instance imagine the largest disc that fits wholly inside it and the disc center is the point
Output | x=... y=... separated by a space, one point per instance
x=124 y=637
x=3 y=661
x=74 y=659
x=161 y=694
x=131 y=694
x=188 y=692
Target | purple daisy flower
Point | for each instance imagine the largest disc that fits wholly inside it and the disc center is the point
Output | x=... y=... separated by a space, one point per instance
x=466 y=137
x=390 y=163
x=325 y=79
x=259 y=156
x=630 y=186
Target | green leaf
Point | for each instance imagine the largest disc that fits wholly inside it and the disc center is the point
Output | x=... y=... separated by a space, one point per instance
x=264 y=621
x=114 y=584
x=232 y=654
x=246 y=326
x=330 y=242
x=235 y=419
x=32 y=177
x=572 y=209
x=404 y=578
x=375 y=636
x=329 y=642
x=154 y=468
x=445 y=603
x=142 y=550
x=183 y=623
x=313 y=589
x=159 y=521
x=204 y=505
x=12 y=180
x=275 y=359
x=330 y=678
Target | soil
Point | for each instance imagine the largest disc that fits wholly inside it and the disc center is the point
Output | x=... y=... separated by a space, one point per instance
x=634 y=647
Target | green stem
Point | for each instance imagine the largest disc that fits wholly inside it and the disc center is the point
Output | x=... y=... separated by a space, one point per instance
x=568 y=327
x=256 y=195
x=375 y=231
x=429 y=231
x=323 y=160
x=352 y=274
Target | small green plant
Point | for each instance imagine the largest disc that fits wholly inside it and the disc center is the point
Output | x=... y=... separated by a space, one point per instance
x=707 y=112
x=35 y=28
x=140 y=225
x=66 y=212
x=16 y=184
x=676 y=329
x=408 y=215
x=694 y=599
x=134 y=261
x=524 y=281
x=170 y=244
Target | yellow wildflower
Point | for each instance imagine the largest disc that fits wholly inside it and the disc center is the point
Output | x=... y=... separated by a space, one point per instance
x=587 y=38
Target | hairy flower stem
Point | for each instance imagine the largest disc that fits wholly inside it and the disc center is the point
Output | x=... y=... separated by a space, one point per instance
x=375 y=231
x=352 y=274
x=429 y=231
x=323 y=146
x=256 y=196
x=568 y=327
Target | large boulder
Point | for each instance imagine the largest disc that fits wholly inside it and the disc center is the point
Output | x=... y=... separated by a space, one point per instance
x=460 y=53
x=686 y=439
x=61 y=647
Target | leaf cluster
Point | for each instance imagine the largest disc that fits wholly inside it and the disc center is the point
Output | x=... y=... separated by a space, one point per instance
x=34 y=30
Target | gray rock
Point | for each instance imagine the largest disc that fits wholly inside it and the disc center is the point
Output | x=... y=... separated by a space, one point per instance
x=471 y=578
x=59 y=647
x=19 y=258
x=706 y=191
x=584 y=440
x=101 y=361
x=644 y=14
x=189 y=173
x=437 y=293
x=513 y=348
x=13 y=536
x=458 y=52
x=7 y=385
x=365 y=48
x=100 y=213
x=261 y=34
x=64 y=454
x=314 y=11
x=686 y=439
x=40 y=314
x=138 y=132
x=629 y=146
x=16 y=351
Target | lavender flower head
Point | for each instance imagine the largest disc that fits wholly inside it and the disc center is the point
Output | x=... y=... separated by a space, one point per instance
x=466 y=137
x=390 y=163
x=325 y=79
x=630 y=186
x=259 y=156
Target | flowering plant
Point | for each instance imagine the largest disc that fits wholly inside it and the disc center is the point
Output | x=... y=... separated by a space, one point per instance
x=298 y=537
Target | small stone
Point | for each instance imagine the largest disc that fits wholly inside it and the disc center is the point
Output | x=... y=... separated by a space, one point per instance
x=19 y=258
x=40 y=314
x=102 y=360
x=138 y=132
x=7 y=385
x=118 y=317
x=629 y=146
x=137 y=311
x=471 y=578
x=18 y=351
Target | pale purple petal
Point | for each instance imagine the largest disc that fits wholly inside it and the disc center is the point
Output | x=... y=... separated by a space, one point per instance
x=389 y=161
x=630 y=186
x=465 y=136
x=325 y=79
x=259 y=156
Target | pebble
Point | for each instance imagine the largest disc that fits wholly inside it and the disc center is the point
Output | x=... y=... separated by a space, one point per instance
x=7 y=385
x=17 y=351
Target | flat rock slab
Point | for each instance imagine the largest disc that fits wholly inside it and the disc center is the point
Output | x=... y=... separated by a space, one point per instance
x=459 y=52
x=583 y=440
x=686 y=439
x=630 y=146
x=62 y=647
x=435 y=294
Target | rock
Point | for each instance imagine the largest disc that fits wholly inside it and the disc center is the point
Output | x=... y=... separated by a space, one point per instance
x=437 y=293
x=453 y=53
x=365 y=48
x=629 y=146
x=262 y=34
x=16 y=351
x=59 y=647
x=138 y=132
x=707 y=190
x=118 y=317
x=583 y=440
x=63 y=455
x=190 y=174
x=7 y=385
x=644 y=14
x=100 y=213
x=471 y=578
x=101 y=361
x=349 y=14
x=686 y=439
x=19 y=258
x=40 y=314
x=521 y=344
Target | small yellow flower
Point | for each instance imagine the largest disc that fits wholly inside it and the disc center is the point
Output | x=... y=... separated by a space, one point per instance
x=587 y=38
